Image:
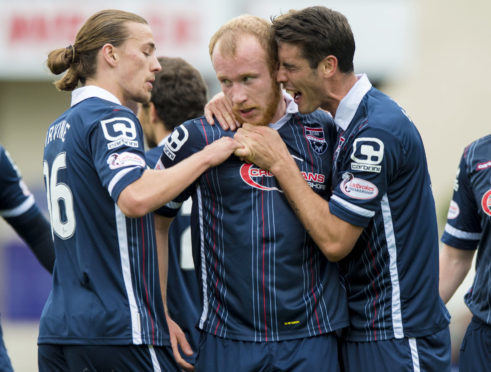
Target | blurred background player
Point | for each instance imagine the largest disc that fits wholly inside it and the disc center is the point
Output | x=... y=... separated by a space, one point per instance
x=270 y=299
x=105 y=311
x=468 y=229
x=179 y=93
x=380 y=222
x=19 y=209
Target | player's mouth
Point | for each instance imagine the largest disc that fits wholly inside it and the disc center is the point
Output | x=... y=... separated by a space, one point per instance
x=149 y=84
x=297 y=95
x=247 y=112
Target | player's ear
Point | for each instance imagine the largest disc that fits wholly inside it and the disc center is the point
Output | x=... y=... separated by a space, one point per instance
x=110 y=55
x=328 y=65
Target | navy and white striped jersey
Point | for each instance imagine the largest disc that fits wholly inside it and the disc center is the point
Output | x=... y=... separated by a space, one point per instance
x=469 y=221
x=183 y=295
x=381 y=182
x=263 y=278
x=106 y=282
x=15 y=197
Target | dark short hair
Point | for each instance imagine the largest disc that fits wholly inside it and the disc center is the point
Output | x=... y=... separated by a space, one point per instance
x=179 y=92
x=319 y=32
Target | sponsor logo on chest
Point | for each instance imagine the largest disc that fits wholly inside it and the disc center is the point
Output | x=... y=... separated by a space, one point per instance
x=255 y=177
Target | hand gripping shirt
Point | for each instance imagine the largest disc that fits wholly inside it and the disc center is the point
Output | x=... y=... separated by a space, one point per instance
x=469 y=221
x=381 y=182
x=262 y=277
x=105 y=282
x=183 y=295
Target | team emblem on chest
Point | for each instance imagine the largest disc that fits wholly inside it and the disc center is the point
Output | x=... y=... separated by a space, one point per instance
x=316 y=138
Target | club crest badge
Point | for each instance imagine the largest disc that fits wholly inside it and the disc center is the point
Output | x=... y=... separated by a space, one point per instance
x=316 y=138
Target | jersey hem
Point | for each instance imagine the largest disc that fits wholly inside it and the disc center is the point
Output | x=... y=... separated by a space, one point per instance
x=283 y=337
x=357 y=336
x=95 y=341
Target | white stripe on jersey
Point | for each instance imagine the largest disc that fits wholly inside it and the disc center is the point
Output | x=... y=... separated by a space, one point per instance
x=414 y=354
x=20 y=209
x=126 y=269
x=394 y=275
x=461 y=234
x=155 y=361
x=352 y=207
x=204 y=314
x=117 y=177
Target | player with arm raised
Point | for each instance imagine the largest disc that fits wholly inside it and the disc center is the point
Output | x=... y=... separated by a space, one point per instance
x=105 y=311
x=380 y=222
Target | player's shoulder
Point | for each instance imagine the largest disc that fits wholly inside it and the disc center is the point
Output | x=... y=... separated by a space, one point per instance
x=95 y=111
x=477 y=154
x=318 y=116
x=202 y=128
x=383 y=111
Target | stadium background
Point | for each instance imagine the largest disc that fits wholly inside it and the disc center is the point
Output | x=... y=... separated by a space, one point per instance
x=430 y=56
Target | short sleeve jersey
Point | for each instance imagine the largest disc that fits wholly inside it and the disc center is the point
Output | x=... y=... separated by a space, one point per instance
x=183 y=295
x=469 y=221
x=105 y=282
x=381 y=183
x=15 y=198
x=262 y=278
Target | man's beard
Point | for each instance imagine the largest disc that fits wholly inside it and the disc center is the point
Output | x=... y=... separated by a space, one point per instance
x=270 y=108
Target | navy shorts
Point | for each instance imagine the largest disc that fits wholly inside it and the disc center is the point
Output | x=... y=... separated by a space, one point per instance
x=475 y=352
x=5 y=365
x=429 y=353
x=102 y=358
x=218 y=354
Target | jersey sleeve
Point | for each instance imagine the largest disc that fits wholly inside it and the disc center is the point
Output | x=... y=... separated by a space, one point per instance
x=15 y=197
x=117 y=149
x=463 y=227
x=364 y=170
x=184 y=141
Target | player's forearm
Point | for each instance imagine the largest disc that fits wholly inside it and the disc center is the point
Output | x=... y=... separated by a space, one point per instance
x=334 y=237
x=454 y=266
x=162 y=225
x=35 y=230
x=157 y=187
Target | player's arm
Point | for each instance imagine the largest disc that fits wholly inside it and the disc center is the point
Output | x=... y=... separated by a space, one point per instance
x=18 y=207
x=454 y=266
x=157 y=187
x=263 y=146
x=35 y=230
x=177 y=336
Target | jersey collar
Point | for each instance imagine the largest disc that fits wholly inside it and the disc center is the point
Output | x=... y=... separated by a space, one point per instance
x=291 y=108
x=349 y=104
x=89 y=91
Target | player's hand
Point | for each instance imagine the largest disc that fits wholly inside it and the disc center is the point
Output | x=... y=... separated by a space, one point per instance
x=178 y=340
x=221 y=108
x=220 y=150
x=261 y=145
